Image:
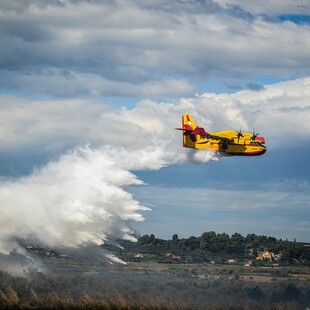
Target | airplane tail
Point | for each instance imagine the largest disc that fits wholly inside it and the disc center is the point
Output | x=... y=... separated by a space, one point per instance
x=191 y=132
x=188 y=122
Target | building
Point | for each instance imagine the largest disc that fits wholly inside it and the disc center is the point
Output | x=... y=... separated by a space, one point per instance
x=139 y=255
x=265 y=255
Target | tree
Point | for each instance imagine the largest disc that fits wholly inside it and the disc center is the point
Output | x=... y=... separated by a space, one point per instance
x=175 y=239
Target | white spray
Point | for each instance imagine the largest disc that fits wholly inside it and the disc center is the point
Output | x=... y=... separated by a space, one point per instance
x=202 y=156
x=78 y=200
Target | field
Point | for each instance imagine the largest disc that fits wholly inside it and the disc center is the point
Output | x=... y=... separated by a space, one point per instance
x=82 y=284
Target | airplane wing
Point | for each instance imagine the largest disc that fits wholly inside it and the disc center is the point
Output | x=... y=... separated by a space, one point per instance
x=218 y=137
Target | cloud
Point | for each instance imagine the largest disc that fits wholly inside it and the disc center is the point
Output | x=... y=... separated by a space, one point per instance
x=279 y=111
x=140 y=49
x=270 y=7
x=68 y=84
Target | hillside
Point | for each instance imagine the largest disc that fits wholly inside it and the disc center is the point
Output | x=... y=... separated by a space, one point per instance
x=214 y=247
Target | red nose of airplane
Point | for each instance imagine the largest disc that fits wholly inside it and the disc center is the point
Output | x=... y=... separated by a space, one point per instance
x=261 y=139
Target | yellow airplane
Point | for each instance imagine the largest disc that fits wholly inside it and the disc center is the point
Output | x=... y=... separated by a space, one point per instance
x=228 y=142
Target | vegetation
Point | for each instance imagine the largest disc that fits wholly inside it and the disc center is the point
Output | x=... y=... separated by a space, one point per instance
x=211 y=246
x=191 y=273
x=153 y=286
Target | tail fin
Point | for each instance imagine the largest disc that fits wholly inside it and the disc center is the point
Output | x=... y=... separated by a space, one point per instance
x=191 y=131
x=188 y=122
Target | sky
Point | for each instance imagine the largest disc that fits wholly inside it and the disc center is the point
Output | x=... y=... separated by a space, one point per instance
x=90 y=94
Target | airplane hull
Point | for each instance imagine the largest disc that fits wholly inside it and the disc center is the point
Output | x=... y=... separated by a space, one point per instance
x=228 y=149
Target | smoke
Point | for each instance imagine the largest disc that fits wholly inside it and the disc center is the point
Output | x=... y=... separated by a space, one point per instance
x=20 y=263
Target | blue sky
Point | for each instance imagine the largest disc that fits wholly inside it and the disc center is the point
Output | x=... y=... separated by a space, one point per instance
x=86 y=84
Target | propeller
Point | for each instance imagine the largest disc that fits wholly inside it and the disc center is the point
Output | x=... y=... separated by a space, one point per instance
x=239 y=134
x=254 y=135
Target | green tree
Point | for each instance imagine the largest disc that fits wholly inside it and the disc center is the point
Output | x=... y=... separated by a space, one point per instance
x=175 y=239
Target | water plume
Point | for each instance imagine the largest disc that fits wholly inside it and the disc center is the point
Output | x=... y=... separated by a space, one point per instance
x=202 y=156
x=78 y=200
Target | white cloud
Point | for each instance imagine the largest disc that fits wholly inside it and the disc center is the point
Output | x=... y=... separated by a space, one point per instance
x=61 y=83
x=275 y=7
x=147 y=49
x=280 y=112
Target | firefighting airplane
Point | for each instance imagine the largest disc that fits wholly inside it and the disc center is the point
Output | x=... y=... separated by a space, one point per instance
x=228 y=142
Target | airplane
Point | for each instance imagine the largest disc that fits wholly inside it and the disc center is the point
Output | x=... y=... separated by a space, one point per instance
x=228 y=142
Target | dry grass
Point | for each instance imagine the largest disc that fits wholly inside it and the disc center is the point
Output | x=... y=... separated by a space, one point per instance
x=9 y=299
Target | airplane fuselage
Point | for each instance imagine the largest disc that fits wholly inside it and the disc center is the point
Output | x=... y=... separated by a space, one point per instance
x=231 y=145
x=228 y=141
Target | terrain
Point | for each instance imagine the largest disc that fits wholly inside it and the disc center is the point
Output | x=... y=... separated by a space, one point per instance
x=75 y=284
x=166 y=274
